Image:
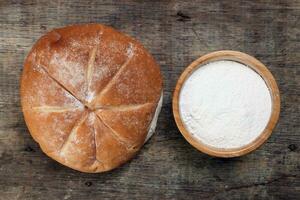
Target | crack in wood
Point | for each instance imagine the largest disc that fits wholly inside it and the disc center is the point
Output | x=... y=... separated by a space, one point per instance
x=264 y=183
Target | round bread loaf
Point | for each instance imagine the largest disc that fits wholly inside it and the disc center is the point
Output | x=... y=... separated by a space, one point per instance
x=88 y=95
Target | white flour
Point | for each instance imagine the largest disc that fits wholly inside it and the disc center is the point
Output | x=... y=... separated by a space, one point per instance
x=155 y=118
x=225 y=104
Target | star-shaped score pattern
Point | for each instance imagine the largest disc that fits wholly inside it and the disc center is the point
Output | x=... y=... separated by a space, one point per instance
x=99 y=130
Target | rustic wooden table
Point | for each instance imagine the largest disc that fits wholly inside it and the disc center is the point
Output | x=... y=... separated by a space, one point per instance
x=167 y=167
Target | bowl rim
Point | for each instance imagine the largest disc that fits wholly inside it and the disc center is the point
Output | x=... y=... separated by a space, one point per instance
x=255 y=65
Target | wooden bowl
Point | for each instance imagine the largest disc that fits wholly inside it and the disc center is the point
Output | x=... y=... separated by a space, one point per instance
x=258 y=67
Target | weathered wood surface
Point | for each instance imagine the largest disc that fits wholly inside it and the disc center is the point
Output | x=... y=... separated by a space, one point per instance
x=168 y=167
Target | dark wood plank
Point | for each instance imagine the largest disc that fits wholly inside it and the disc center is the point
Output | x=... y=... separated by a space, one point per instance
x=168 y=167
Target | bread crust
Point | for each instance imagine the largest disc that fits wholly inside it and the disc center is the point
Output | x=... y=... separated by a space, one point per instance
x=88 y=95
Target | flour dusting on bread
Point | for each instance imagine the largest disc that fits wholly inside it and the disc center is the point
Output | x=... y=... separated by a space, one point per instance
x=88 y=96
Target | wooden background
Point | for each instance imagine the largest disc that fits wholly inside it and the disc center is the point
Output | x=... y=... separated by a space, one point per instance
x=176 y=33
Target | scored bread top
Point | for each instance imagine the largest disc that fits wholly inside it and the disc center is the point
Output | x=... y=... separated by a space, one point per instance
x=88 y=95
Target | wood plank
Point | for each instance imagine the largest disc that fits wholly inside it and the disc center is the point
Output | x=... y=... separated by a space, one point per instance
x=176 y=33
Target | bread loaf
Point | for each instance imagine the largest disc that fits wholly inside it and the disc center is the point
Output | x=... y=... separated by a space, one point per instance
x=88 y=95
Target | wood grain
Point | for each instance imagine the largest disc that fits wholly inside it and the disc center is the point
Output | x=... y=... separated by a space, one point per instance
x=167 y=167
x=254 y=64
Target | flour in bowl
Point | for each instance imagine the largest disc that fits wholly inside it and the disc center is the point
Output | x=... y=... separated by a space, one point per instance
x=225 y=104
